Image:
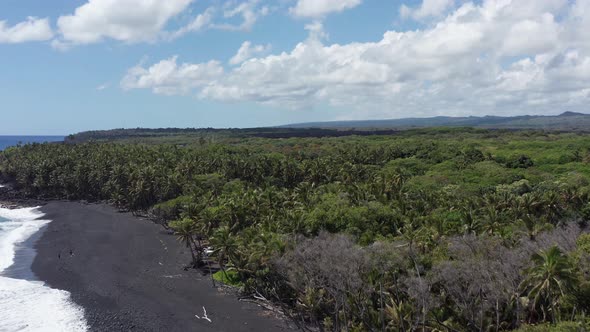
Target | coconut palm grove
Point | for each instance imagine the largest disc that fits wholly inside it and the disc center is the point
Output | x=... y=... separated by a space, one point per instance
x=440 y=229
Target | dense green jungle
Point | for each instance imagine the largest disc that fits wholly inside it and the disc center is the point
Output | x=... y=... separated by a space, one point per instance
x=440 y=229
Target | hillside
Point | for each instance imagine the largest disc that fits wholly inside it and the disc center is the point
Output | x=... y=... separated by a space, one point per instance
x=564 y=121
x=567 y=121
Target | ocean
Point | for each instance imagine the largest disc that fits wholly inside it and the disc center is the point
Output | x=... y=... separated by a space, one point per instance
x=6 y=141
x=27 y=304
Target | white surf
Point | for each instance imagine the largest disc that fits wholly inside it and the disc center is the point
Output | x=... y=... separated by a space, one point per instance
x=27 y=305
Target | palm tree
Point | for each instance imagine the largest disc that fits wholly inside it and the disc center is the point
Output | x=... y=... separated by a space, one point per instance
x=492 y=220
x=553 y=207
x=471 y=224
x=185 y=230
x=525 y=209
x=534 y=226
x=549 y=280
x=224 y=246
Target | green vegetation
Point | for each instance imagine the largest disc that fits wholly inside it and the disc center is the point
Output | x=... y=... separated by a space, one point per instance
x=228 y=277
x=560 y=327
x=433 y=229
x=190 y=136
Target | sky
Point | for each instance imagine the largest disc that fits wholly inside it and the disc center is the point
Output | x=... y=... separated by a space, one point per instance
x=73 y=65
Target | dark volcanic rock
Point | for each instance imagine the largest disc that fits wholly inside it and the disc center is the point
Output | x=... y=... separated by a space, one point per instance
x=12 y=199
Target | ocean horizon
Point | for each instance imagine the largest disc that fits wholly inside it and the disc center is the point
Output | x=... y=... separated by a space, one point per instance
x=8 y=141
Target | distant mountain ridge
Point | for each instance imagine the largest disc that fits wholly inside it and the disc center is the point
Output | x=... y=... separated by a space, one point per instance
x=563 y=121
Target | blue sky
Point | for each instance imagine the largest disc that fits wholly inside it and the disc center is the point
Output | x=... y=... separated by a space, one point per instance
x=69 y=66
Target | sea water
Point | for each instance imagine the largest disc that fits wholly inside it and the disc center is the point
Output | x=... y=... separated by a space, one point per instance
x=7 y=141
x=29 y=305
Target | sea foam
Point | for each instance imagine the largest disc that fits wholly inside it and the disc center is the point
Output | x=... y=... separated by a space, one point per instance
x=27 y=305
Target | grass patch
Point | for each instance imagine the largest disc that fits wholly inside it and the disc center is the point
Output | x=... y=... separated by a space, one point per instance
x=229 y=278
x=559 y=327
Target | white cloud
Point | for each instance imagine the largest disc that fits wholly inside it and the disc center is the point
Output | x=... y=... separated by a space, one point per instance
x=316 y=31
x=102 y=87
x=320 y=8
x=428 y=8
x=247 y=51
x=135 y=21
x=579 y=21
x=249 y=11
x=33 y=29
x=168 y=78
x=201 y=22
x=122 y=20
x=503 y=56
x=532 y=36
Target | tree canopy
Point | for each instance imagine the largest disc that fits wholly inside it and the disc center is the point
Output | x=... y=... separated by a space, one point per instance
x=440 y=229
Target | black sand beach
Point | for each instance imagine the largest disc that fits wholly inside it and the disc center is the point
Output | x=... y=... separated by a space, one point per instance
x=128 y=275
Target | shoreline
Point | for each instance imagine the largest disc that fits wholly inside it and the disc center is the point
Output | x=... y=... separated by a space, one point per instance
x=24 y=256
x=24 y=252
x=127 y=273
x=26 y=302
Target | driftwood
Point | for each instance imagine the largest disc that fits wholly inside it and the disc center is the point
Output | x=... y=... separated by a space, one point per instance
x=204 y=316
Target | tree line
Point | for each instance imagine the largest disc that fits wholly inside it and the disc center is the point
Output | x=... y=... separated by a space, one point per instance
x=431 y=230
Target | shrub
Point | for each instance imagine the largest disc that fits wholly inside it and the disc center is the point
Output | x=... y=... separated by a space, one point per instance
x=521 y=161
x=559 y=327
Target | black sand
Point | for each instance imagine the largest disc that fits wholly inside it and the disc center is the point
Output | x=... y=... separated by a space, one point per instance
x=128 y=275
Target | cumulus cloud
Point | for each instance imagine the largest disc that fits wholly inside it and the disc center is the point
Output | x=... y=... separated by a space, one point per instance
x=33 y=29
x=320 y=8
x=500 y=56
x=250 y=12
x=201 y=22
x=122 y=20
x=428 y=8
x=316 y=31
x=133 y=21
x=248 y=51
x=168 y=78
